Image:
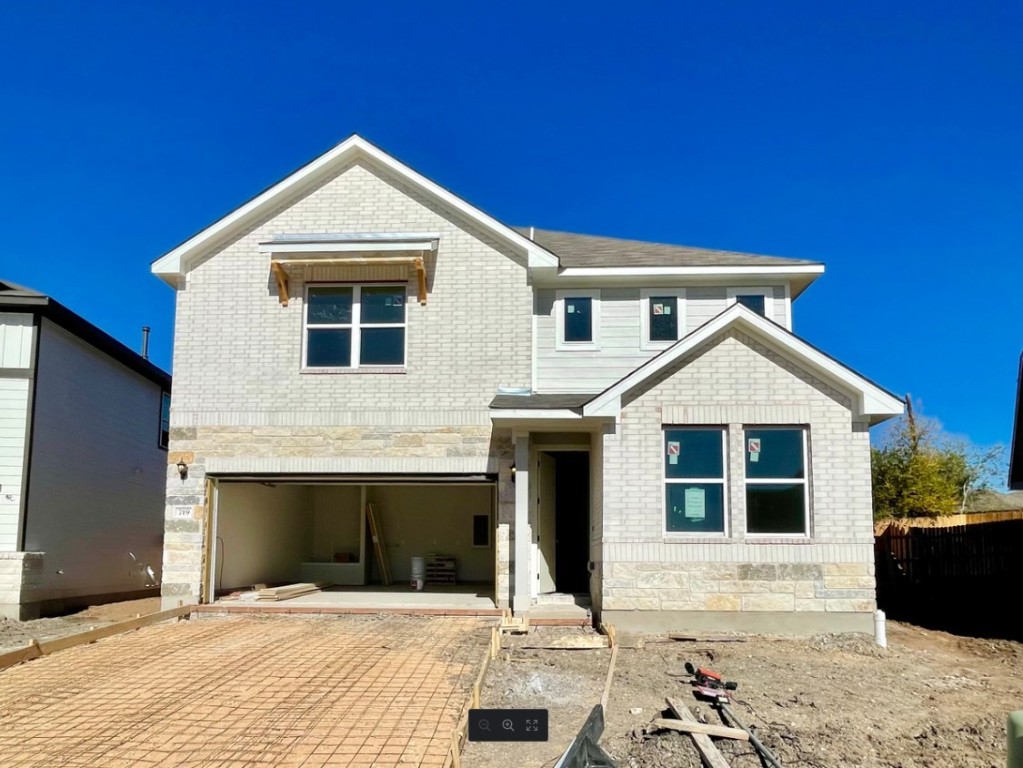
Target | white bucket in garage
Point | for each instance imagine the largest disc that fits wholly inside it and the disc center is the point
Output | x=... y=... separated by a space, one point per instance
x=418 y=572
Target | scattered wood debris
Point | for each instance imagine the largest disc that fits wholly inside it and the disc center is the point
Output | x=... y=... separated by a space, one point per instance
x=719 y=731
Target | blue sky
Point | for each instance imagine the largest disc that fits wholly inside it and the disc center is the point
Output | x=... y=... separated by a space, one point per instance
x=883 y=139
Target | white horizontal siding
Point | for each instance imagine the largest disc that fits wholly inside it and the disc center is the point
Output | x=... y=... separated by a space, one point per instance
x=620 y=345
x=98 y=476
x=15 y=340
x=13 y=422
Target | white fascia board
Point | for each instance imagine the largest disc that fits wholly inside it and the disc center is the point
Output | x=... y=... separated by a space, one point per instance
x=871 y=400
x=363 y=246
x=779 y=271
x=175 y=263
x=530 y=414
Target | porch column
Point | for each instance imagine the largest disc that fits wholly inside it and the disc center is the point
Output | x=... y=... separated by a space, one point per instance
x=520 y=594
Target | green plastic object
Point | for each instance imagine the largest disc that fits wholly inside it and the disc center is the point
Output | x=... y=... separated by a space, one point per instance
x=1015 y=731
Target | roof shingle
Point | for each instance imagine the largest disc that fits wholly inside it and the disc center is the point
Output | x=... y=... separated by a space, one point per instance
x=594 y=251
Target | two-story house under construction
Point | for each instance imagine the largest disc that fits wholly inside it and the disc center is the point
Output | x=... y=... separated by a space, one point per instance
x=561 y=414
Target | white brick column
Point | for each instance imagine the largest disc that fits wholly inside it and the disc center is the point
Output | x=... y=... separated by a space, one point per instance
x=521 y=530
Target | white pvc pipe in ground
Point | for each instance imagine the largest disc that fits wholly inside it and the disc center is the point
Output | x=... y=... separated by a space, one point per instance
x=880 y=632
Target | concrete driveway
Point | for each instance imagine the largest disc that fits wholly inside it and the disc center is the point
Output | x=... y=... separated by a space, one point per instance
x=247 y=691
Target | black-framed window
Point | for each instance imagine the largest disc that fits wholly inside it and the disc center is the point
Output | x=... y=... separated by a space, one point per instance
x=777 y=489
x=578 y=320
x=694 y=480
x=165 y=402
x=755 y=301
x=663 y=318
x=355 y=326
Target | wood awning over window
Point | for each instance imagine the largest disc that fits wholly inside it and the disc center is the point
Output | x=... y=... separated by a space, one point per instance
x=362 y=248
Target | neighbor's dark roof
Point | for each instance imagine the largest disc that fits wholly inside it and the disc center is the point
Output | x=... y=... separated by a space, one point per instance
x=593 y=251
x=18 y=298
x=541 y=402
x=1016 y=457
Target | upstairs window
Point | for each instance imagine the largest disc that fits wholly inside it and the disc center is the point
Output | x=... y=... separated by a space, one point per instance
x=760 y=300
x=577 y=319
x=662 y=316
x=164 y=419
x=354 y=326
x=777 y=493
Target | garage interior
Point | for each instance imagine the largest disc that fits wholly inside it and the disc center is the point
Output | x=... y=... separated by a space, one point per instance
x=275 y=532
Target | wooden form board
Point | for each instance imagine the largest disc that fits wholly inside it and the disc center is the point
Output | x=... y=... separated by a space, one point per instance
x=37 y=649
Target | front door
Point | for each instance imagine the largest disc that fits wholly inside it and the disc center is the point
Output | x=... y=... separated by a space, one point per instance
x=546 y=528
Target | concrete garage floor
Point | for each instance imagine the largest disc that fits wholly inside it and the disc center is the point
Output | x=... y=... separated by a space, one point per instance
x=247 y=690
x=459 y=597
x=455 y=600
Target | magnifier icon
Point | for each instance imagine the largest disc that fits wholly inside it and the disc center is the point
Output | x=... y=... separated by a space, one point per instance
x=485 y=725
x=508 y=725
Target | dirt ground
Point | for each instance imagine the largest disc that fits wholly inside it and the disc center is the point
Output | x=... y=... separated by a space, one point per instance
x=17 y=634
x=567 y=683
x=930 y=700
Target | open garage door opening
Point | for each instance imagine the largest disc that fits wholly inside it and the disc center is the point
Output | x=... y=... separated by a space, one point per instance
x=279 y=532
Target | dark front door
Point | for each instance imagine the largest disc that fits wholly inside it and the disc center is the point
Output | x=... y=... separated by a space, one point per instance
x=572 y=526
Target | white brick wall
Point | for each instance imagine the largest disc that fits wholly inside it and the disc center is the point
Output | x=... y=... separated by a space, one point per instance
x=237 y=358
x=237 y=350
x=735 y=380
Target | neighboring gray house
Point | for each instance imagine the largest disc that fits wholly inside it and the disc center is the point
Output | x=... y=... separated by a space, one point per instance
x=83 y=460
x=564 y=414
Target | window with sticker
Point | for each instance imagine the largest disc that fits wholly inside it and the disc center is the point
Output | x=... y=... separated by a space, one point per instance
x=694 y=480
x=354 y=326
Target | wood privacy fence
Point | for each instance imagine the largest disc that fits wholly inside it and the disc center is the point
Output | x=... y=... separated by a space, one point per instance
x=960 y=578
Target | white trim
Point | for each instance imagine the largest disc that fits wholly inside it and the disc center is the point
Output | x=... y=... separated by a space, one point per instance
x=534 y=370
x=559 y=319
x=352 y=247
x=515 y=414
x=723 y=480
x=355 y=326
x=869 y=400
x=766 y=291
x=645 y=294
x=780 y=270
x=788 y=305
x=805 y=480
x=173 y=265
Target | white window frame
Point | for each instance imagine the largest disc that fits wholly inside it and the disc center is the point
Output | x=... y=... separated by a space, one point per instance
x=645 y=295
x=356 y=327
x=722 y=481
x=767 y=291
x=805 y=480
x=559 y=319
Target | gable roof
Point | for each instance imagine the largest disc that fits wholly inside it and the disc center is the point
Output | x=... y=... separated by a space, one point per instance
x=870 y=399
x=1016 y=454
x=595 y=251
x=176 y=262
x=18 y=298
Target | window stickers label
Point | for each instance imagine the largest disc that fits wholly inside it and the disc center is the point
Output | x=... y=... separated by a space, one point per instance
x=696 y=504
x=674 y=448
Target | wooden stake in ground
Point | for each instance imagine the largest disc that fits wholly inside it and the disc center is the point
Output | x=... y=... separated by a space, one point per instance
x=610 y=675
x=710 y=754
